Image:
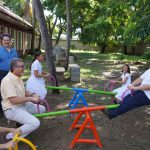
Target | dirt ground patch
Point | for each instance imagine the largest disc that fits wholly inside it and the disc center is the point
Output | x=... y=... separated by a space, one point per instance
x=127 y=132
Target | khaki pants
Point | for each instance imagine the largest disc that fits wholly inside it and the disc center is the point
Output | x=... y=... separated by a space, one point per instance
x=23 y=115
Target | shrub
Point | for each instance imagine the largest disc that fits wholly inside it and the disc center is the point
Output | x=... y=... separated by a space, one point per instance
x=146 y=55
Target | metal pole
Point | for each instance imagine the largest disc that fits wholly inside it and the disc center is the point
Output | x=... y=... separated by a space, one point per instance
x=62 y=112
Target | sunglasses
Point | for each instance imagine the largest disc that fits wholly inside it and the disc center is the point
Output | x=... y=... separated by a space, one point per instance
x=22 y=66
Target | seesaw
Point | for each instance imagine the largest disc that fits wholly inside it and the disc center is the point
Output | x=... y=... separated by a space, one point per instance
x=87 y=123
x=17 y=139
x=78 y=97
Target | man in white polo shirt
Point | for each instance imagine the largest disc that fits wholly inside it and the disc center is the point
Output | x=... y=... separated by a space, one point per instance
x=18 y=104
x=141 y=96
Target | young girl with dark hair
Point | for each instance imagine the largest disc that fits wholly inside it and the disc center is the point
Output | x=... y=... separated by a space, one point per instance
x=125 y=80
x=36 y=82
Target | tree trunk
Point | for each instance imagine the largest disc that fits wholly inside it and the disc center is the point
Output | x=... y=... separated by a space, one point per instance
x=59 y=33
x=51 y=29
x=39 y=44
x=125 y=49
x=45 y=37
x=33 y=32
x=133 y=50
x=103 y=47
x=68 y=33
x=58 y=37
x=27 y=14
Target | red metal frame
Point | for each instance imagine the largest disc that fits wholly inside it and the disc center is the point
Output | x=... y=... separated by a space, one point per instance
x=87 y=123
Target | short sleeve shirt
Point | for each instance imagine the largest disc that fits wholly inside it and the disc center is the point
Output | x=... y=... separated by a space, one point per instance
x=146 y=80
x=128 y=76
x=36 y=65
x=11 y=86
x=6 y=57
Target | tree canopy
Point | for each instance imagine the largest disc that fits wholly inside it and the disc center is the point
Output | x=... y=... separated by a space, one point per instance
x=99 y=22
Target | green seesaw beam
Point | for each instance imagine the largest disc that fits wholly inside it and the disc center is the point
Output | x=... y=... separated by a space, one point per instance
x=79 y=89
x=63 y=112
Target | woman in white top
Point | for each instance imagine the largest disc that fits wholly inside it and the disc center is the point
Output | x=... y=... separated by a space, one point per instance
x=36 y=82
x=125 y=80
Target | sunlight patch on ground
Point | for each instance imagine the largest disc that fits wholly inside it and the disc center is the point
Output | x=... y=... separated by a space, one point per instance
x=147 y=111
x=91 y=104
x=93 y=59
x=85 y=70
x=105 y=98
x=107 y=74
x=147 y=122
x=50 y=117
x=134 y=67
x=83 y=51
x=62 y=106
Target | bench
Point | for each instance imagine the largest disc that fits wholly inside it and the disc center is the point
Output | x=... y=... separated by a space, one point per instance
x=60 y=73
x=74 y=72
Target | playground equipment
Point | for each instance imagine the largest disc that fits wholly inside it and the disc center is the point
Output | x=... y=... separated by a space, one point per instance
x=51 y=80
x=78 y=97
x=17 y=139
x=46 y=103
x=109 y=85
x=87 y=123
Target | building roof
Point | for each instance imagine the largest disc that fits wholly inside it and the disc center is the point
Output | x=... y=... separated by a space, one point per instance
x=8 y=18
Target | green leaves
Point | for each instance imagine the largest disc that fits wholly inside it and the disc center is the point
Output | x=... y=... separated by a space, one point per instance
x=110 y=22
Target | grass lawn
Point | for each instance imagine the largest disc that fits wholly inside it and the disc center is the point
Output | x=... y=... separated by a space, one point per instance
x=93 y=70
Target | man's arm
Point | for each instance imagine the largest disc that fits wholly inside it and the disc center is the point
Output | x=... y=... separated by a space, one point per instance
x=28 y=94
x=142 y=87
x=137 y=82
x=136 y=85
x=21 y=100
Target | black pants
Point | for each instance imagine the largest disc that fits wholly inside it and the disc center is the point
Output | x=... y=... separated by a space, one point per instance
x=2 y=75
x=130 y=102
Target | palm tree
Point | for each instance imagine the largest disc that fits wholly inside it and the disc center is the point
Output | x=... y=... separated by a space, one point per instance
x=37 y=6
x=27 y=11
x=68 y=33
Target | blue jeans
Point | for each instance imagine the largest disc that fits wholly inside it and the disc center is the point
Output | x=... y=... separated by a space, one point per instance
x=130 y=102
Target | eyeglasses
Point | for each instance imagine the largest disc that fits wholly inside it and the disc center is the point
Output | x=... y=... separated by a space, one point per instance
x=22 y=66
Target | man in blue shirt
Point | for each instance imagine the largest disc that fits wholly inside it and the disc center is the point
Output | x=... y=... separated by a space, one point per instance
x=7 y=53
